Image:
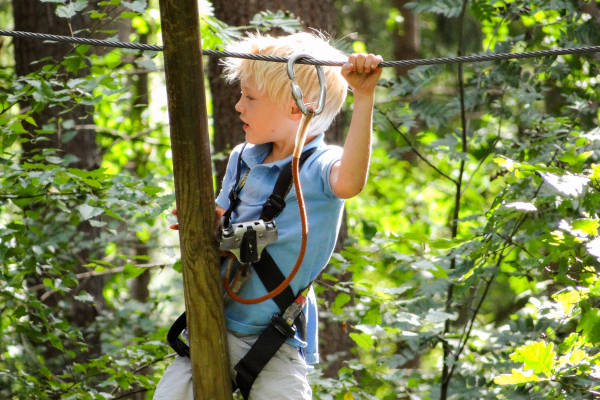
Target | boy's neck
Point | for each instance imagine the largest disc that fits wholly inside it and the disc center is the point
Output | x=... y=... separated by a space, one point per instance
x=279 y=150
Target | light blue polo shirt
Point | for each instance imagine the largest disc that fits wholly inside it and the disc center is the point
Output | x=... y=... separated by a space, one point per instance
x=324 y=212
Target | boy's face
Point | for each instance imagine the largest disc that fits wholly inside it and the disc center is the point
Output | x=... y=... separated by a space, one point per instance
x=264 y=121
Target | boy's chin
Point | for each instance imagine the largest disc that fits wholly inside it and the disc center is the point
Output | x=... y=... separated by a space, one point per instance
x=254 y=141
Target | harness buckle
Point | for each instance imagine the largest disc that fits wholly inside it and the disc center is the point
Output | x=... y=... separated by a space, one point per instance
x=274 y=204
x=246 y=240
x=281 y=325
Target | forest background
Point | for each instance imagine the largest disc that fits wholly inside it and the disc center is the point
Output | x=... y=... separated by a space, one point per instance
x=469 y=264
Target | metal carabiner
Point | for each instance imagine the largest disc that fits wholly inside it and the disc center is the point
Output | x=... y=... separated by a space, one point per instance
x=297 y=92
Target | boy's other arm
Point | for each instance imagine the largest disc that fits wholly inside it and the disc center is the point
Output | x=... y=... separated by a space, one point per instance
x=349 y=175
x=219 y=213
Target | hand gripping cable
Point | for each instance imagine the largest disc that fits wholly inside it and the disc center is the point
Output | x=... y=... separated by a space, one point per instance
x=308 y=112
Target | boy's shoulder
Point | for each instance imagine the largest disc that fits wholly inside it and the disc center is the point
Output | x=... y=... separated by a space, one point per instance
x=326 y=152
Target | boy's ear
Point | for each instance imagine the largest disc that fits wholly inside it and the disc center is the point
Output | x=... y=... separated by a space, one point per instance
x=295 y=112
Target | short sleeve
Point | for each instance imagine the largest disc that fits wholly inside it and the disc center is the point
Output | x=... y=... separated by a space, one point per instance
x=327 y=160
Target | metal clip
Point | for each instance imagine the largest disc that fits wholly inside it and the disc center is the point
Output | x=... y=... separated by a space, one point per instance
x=297 y=92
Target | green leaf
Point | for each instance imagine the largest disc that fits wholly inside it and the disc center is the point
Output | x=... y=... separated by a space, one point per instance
x=568 y=184
x=435 y=316
x=131 y=271
x=69 y=10
x=538 y=356
x=84 y=296
x=97 y=224
x=593 y=247
x=521 y=205
x=56 y=342
x=568 y=299
x=372 y=317
x=87 y=211
x=516 y=377
x=48 y=282
x=138 y=6
x=329 y=277
x=589 y=324
x=364 y=340
x=340 y=300
x=54 y=159
x=587 y=225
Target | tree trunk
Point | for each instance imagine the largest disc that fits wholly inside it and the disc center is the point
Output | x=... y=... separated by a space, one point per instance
x=406 y=46
x=36 y=16
x=205 y=314
x=139 y=285
x=407 y=41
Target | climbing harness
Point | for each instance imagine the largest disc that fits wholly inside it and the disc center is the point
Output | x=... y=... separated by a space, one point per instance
x=246 y=241
x=261 y=57
x=276 y=202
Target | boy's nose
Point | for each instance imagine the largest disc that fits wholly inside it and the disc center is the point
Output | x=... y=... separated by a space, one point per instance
x=238 y=105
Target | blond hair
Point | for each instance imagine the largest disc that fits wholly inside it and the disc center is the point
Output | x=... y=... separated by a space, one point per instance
x=272 y=79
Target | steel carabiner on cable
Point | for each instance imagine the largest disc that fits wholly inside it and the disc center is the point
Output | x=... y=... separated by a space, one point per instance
x=297 y=92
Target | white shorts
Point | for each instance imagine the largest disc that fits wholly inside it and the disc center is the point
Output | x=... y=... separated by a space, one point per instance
x=283 y=378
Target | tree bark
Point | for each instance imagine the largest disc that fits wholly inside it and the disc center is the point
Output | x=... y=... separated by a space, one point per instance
x=35 y=16
x=406 y=47
x=195 y=199
x=406 y=42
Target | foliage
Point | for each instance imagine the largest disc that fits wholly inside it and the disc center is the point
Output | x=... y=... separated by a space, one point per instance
x=505 y=294
x=61 y=225
x=508 y=300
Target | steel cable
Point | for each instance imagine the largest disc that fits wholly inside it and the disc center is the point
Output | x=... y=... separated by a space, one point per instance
x=310 y=61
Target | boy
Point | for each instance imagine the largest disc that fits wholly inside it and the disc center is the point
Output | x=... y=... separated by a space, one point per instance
x=328 y=176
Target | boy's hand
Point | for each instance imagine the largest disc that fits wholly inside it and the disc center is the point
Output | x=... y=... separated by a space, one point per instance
x=361 y=72
x=174 y=226
x=219 y=213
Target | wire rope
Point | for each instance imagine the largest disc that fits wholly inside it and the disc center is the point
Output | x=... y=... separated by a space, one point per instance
x=311 y=61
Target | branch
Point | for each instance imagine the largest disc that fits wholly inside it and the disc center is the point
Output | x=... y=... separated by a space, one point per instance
x=131 y=392
x=90 y=274
x=467 y=335
x=122 y=136
x=31 y=196
x=508 y=241
x=446 y=376
x=413 y=148
x=492 y=147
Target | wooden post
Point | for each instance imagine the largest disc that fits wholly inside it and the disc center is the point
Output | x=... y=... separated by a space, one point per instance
x=195 y=199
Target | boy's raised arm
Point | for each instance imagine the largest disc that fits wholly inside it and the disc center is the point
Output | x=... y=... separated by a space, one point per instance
x=349 y=175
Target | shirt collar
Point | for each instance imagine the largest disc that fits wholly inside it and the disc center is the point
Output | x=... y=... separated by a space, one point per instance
x=254 y=155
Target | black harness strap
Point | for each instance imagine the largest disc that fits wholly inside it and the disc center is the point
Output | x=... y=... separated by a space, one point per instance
x=276 y=333
x=235 y=190
x=270 y=275
x=276 y=201
x=173 y=337
x=278 y=330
